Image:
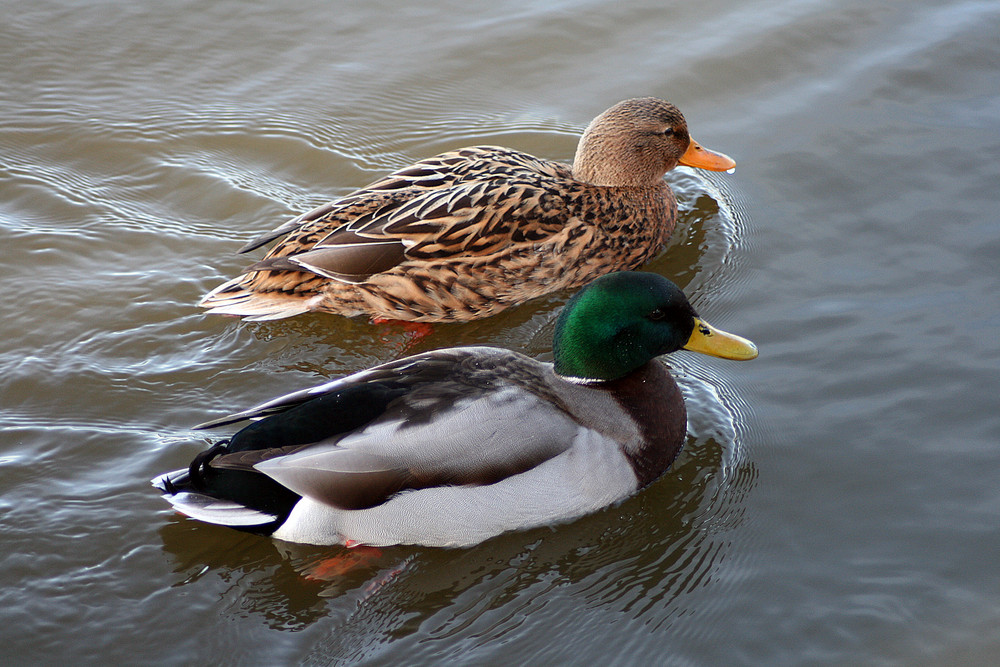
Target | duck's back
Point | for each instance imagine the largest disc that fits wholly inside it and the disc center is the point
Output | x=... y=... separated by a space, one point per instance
x=455 y=237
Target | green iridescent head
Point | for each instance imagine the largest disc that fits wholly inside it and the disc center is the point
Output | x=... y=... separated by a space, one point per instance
x=621 y=321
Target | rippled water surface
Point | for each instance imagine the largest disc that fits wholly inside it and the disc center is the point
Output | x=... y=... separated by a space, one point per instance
x=839 y=498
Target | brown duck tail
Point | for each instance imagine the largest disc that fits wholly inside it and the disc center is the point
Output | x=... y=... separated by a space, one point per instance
x=235 y=298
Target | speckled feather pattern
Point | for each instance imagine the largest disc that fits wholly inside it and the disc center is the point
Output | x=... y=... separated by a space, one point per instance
x=471 y=232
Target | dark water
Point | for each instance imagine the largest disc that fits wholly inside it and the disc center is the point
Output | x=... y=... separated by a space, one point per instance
x=839 y=499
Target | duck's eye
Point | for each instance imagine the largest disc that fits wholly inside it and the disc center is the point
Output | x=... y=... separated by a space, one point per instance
x=669 y=132
x=657 y=315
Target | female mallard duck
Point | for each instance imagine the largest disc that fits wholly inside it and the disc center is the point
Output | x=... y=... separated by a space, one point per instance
x=454 y=446
x=466 y=234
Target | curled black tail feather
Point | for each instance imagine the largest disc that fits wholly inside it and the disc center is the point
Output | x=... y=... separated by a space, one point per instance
x=196 y=471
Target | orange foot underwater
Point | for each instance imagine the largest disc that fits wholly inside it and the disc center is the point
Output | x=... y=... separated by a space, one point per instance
x=328 y=569
x=413 y=332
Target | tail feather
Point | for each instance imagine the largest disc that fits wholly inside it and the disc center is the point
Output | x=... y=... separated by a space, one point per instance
x=203 y=507
x=232 y=298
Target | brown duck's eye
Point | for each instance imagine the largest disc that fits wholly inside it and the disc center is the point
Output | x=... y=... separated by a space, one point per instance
x=669 y=132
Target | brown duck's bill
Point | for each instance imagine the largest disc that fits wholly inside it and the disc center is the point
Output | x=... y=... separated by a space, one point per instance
x=717 y=343
x=702 y=158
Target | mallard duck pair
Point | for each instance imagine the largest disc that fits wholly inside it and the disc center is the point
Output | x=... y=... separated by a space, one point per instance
x=454 y=446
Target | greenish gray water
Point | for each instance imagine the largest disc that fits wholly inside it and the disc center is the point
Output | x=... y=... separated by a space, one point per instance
x=838 y=501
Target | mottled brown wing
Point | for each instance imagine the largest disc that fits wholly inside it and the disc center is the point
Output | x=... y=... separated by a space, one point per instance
x=410 y=216
x=436 y=173
x=349 y=258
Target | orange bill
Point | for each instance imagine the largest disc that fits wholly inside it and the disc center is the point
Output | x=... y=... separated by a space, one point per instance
x=702 y=158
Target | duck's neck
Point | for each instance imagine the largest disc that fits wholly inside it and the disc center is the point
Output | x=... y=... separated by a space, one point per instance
x=600 y=161
x=653 y=399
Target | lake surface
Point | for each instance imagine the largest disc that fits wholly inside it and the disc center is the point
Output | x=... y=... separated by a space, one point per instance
x=839 y=498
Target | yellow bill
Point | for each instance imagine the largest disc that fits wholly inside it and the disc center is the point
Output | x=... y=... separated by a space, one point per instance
x=717 y=343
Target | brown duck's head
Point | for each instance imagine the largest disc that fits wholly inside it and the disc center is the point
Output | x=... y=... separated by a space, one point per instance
x=635 y=142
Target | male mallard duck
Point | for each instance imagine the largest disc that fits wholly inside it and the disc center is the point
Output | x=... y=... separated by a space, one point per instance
x=454 y=446
x=468 y=233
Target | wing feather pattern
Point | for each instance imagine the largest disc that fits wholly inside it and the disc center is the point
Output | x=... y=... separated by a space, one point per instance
x=443 y=420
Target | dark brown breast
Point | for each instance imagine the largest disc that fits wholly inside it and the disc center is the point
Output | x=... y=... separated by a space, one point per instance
x=653 y=399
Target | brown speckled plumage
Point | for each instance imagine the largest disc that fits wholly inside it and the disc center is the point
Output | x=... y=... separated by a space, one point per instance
x=468 y=233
